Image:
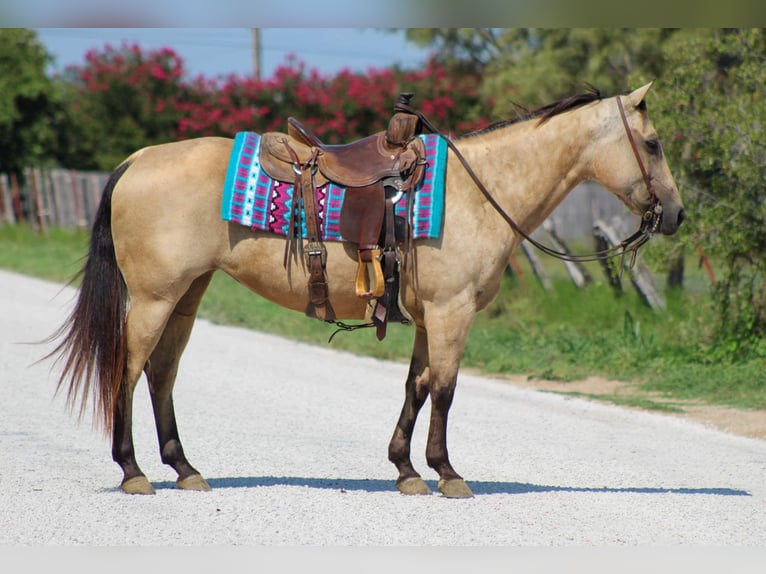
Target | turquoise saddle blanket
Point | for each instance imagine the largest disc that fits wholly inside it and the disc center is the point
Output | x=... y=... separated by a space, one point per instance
x=255 y=200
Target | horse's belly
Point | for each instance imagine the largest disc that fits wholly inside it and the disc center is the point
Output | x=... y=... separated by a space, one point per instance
x=257 y=261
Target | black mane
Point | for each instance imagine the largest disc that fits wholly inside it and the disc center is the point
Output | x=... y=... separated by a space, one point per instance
x=544 y=113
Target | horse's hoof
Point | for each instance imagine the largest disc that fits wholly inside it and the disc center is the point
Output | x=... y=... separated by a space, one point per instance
x=193 y=482
x=137 y=485
x=413 y=485
x=455 y=488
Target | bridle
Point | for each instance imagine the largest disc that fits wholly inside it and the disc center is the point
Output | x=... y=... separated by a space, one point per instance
x=649 y=222
x=654 y=212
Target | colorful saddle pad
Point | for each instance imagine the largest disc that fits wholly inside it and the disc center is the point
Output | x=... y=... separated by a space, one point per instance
x=255 y=200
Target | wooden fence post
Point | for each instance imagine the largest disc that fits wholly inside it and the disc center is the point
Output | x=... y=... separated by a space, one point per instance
x=79 y=210
x=3 y=209
x=706 y=263
x=38 y=201
x=640 y=275
x=537 y=267
x=612 y=274
x=16 y=198
x=514 y=268
x=576 y=270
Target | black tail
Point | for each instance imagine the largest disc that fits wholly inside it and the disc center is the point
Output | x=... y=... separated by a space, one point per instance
x=94 y=346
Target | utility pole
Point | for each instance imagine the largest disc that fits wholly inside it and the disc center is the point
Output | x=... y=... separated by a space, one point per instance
x=256 y=53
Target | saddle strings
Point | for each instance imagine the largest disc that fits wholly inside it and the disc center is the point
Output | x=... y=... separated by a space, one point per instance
x=649 y=222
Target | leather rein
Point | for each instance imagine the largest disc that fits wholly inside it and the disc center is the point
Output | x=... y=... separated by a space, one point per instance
x=649 y=222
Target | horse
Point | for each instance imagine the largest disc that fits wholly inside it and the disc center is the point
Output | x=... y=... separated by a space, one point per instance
x=158 y=238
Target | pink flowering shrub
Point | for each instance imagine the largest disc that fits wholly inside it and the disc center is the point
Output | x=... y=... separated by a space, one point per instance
x=129 y=99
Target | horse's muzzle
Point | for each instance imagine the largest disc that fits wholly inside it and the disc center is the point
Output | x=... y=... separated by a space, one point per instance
x=670 y=222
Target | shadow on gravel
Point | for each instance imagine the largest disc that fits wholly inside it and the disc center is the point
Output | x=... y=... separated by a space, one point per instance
x=478 y=487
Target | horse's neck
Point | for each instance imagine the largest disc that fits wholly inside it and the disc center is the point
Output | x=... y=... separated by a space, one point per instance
x=530 y=169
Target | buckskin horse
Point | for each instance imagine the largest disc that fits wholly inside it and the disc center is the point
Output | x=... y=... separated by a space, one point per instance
x=158 y=237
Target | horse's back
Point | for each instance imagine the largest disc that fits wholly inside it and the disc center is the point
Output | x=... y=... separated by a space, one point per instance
x=202 y=152
x=164 y=178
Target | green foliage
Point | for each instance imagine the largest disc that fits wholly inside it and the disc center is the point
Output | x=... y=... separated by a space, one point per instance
x=474 y=47
x=27 y=102
x=535 y=66
x=570 y=334
x=712 y=108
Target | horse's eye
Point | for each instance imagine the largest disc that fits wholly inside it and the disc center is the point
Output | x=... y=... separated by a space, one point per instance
x=653 y=146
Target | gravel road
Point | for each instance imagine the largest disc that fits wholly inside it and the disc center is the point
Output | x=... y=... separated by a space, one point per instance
x=293 y=440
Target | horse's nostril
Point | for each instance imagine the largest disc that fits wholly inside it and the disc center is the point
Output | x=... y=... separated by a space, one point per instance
x=681 y=216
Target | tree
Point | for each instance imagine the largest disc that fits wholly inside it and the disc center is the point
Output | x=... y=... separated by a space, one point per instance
x=27 y=102
x=122 y=99
x=535 y=66
x=462 y=47
x=712 y=106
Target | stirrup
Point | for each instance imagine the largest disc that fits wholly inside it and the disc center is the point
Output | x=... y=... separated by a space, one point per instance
x=370 y=272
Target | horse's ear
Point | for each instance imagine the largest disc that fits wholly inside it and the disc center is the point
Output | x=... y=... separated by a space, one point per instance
x=636 y=97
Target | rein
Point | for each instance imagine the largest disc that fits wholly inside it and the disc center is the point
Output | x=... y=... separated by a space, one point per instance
x=649 y=222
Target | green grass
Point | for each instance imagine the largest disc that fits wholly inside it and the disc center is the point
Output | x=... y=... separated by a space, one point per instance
x=630 y=401
x=565 y=335
x=57 y=255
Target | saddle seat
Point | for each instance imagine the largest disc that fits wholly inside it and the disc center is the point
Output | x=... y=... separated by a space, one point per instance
x=357 y=164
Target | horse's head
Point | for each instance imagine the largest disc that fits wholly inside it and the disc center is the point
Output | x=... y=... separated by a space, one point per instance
x=632 y=164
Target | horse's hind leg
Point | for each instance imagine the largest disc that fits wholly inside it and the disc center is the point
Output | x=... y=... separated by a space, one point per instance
x=161 y=373
x=145 y=322
x=416 y=392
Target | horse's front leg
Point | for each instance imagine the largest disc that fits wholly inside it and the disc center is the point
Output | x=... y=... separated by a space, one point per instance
x=447 y=334
x=416 y=392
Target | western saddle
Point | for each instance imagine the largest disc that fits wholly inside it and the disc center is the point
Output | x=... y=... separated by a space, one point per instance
x=376 y=172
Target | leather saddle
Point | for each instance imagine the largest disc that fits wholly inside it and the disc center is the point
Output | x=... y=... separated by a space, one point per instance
x=376 y=171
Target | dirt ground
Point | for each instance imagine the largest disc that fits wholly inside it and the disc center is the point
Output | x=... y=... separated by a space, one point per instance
x=751 y=423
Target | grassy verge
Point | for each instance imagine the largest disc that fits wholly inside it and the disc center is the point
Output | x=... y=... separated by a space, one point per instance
x=57 y=255
x=565 y=334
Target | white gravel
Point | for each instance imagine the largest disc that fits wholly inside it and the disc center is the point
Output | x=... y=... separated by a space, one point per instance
x=293 y=440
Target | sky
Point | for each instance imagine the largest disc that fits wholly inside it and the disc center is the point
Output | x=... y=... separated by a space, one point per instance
x=214 y=52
